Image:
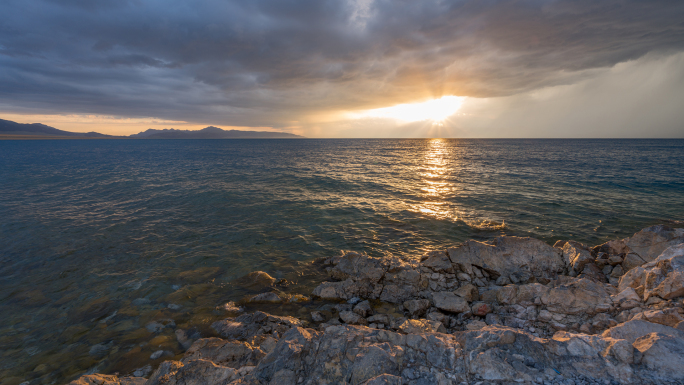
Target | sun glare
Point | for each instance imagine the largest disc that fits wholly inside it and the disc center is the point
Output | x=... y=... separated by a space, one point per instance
x=436 y=110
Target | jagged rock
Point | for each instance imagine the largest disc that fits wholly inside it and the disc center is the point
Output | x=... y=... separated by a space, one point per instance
x=668 y=317
x=415 y=326
x=627 y=299
x=194 y=372
x=250 y=325
x=576 y=255
x=662 y=277
x=437 y=261
x=663 y=354
x=103 y=379
x=232 y=354
x=468 y=292
x=509 y=255
x=647 y=244
x=635 y=329
x=356 y=355
x=352 y=318
x=576 y=296
x=363 y=309
x=417 y=307
x=450 y=302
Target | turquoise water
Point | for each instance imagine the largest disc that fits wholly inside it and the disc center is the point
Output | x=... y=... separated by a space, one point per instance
x=99 y=238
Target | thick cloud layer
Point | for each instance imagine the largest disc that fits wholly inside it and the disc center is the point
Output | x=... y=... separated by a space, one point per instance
x=277 y=62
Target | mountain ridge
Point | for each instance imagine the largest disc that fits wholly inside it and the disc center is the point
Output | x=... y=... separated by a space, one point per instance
x=10 y=128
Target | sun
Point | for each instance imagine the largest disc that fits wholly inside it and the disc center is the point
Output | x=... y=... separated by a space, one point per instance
x=436 y=110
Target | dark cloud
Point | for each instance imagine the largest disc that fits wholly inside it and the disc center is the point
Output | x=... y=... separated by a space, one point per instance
x=269 y=62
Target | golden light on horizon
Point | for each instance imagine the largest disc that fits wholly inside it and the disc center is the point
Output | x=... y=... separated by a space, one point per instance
x=435 y=110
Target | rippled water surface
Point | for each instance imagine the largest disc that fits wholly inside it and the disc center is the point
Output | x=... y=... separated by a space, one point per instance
x=100 y=238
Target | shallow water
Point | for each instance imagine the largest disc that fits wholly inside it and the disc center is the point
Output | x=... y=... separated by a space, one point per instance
x=100 y=238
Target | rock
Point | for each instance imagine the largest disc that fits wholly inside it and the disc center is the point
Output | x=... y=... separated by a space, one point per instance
x=450 y=302
x=668 y=317
x=545 y=316
x=232 y=354
x=231 y=307
x=160 y=353
x=663 y=277
x=650 y=242
x=247 y=326
x=671 y=287
x=663 y=354
x=256 y=280
x=417 y=307
x=415 y=326
x=509 y=255
x=103 y=379
x=269 y=297
x=186 y=338
x=100 y=350
x=437 y=261
x=352 y=318
x=627 y=299
x=633 y=330
x=317 y=316
x=142 y=372
x=492 y=319
x=359 y=267
x=576 y=255
x=384 y=379
x=631 y=261
x=481 y=309
x=617 y=272
x=468 y=292
x=576 y=296
x=159 y=325
x=298 y=298
x=680 y=326
x=195 y=372
x=363 y=309
x=475 y=325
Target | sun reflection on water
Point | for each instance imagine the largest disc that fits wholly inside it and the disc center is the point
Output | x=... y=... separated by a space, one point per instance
x=435 y=178
x=440 y=189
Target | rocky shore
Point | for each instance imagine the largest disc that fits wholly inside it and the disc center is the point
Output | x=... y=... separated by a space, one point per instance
x=516 y=310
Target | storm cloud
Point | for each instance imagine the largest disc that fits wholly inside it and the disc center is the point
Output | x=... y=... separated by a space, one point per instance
x=278 y=62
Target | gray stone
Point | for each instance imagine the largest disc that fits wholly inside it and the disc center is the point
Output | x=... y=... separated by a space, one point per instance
x=417 y=307
x=450 y=302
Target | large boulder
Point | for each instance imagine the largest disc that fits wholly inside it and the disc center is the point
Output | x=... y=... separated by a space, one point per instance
x=258 y=323
x=662 y=277
x=635 y=329
x=509 y=255
x=576 y=256
x=645 y=245
x=663 y=355
x=569 y=295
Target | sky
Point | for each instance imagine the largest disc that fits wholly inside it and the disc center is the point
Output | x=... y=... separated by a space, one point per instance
x=347 y=68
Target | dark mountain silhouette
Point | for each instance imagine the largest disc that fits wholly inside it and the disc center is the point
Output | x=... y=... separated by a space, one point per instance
x=8 y=127
x=211 y=132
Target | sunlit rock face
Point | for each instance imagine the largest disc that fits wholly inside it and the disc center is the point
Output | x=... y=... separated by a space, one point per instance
x=463 y=315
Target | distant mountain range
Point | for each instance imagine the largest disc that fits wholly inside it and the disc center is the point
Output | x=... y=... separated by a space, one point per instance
x=211 y=132
x=9 y=128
